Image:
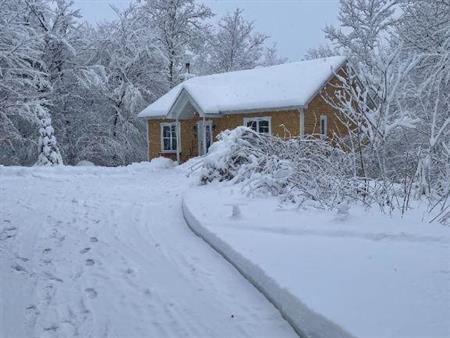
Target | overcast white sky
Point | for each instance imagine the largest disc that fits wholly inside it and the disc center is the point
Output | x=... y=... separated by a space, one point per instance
x=295 y=25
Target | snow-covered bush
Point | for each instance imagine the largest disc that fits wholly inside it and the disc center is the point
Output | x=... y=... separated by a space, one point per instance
x=298 y=169
x=242 y=154
x=323 y=173
x=84 y=163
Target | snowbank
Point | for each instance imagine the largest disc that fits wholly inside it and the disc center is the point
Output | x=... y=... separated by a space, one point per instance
x=305 y=322
x=85 y=163
x=156 y=164
x=350 y=273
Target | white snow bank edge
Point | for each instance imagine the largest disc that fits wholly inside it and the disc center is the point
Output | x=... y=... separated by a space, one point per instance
x=305 y=322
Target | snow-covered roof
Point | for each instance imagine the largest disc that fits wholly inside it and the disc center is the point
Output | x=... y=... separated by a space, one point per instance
x=287 y=85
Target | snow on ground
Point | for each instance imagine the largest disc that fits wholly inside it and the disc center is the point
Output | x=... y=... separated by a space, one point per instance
x=105 y=252
x=367 y=273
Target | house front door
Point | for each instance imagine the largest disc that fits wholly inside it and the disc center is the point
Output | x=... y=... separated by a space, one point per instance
x=205 y=136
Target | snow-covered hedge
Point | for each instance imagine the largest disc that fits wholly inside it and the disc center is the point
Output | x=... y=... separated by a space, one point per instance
x=303 y=170
x=298 y=169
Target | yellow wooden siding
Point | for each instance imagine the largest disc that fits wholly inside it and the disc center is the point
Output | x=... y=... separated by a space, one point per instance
x=317 y=107
x=285 y=124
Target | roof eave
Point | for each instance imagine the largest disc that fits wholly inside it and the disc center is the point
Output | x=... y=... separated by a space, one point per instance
x=153 y=117
x=261 y=110
x=185 y=92
x=323 y=84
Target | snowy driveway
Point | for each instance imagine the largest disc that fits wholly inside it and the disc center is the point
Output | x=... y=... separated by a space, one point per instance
x=97 y=252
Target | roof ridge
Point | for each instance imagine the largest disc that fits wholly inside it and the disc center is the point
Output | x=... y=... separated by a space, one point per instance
x=262 y=68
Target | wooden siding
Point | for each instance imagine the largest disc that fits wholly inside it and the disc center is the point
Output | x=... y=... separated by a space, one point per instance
x=317 y=107
x=189 y=142
x=285 y=124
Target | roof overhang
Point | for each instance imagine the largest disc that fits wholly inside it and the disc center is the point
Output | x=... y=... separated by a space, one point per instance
x=261 y=110
x=184 y=107
x=324 y=84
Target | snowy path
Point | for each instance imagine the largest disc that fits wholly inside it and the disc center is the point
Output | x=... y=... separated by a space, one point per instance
x=105 y=253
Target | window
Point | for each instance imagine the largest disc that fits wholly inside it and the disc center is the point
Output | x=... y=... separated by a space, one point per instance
x=323 y=126
x=259 y=124
x=169 y=137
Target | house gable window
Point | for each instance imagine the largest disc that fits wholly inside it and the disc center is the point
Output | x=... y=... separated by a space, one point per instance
x=323 y=126
x=261 y=125
x=169 y=137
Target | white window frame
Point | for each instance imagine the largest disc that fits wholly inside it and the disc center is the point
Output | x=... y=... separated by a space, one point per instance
x=177 y=138
x=324 y=119
x=200 y=125
x=257 y=119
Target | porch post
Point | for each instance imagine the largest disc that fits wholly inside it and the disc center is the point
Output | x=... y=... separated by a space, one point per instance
x=204 y=136
x=178 y=131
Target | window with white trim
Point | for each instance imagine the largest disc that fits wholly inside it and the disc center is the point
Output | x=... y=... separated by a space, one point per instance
x=169 y=137
x=323 y=126
x=261 y=125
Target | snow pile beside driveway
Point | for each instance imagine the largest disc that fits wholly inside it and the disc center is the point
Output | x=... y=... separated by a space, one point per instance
x=138 y=168
x=333 y=274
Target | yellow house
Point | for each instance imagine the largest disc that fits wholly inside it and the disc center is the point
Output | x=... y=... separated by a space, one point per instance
x=284 y=100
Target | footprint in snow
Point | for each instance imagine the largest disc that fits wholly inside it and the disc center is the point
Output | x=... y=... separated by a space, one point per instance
x=32 y=310
x=52 y=327
x=19 y=268
x=8 y=232
x=85 y=250
x=52 y=277
x=90 y=262
x=91 y=293
x=93 y=239
x=23 y=259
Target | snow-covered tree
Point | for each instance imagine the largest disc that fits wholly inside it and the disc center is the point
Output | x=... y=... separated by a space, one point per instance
x=322 y=51
x=271 y=57
x=394 y=96
x=24 y=82
x=235 y=45
x=364 y=27
x=367 y=94
x=424 y=35
x=18 y=51
x=48 y=151
x=127 y=73
x=61 y=30
x=178 y=26
x=47 y=26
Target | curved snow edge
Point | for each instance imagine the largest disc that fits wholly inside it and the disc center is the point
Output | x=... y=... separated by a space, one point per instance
x=304 y=321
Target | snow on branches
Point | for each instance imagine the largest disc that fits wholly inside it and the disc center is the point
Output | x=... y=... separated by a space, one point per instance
x=308 y=170
x=48 y=151
x=297 y=169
